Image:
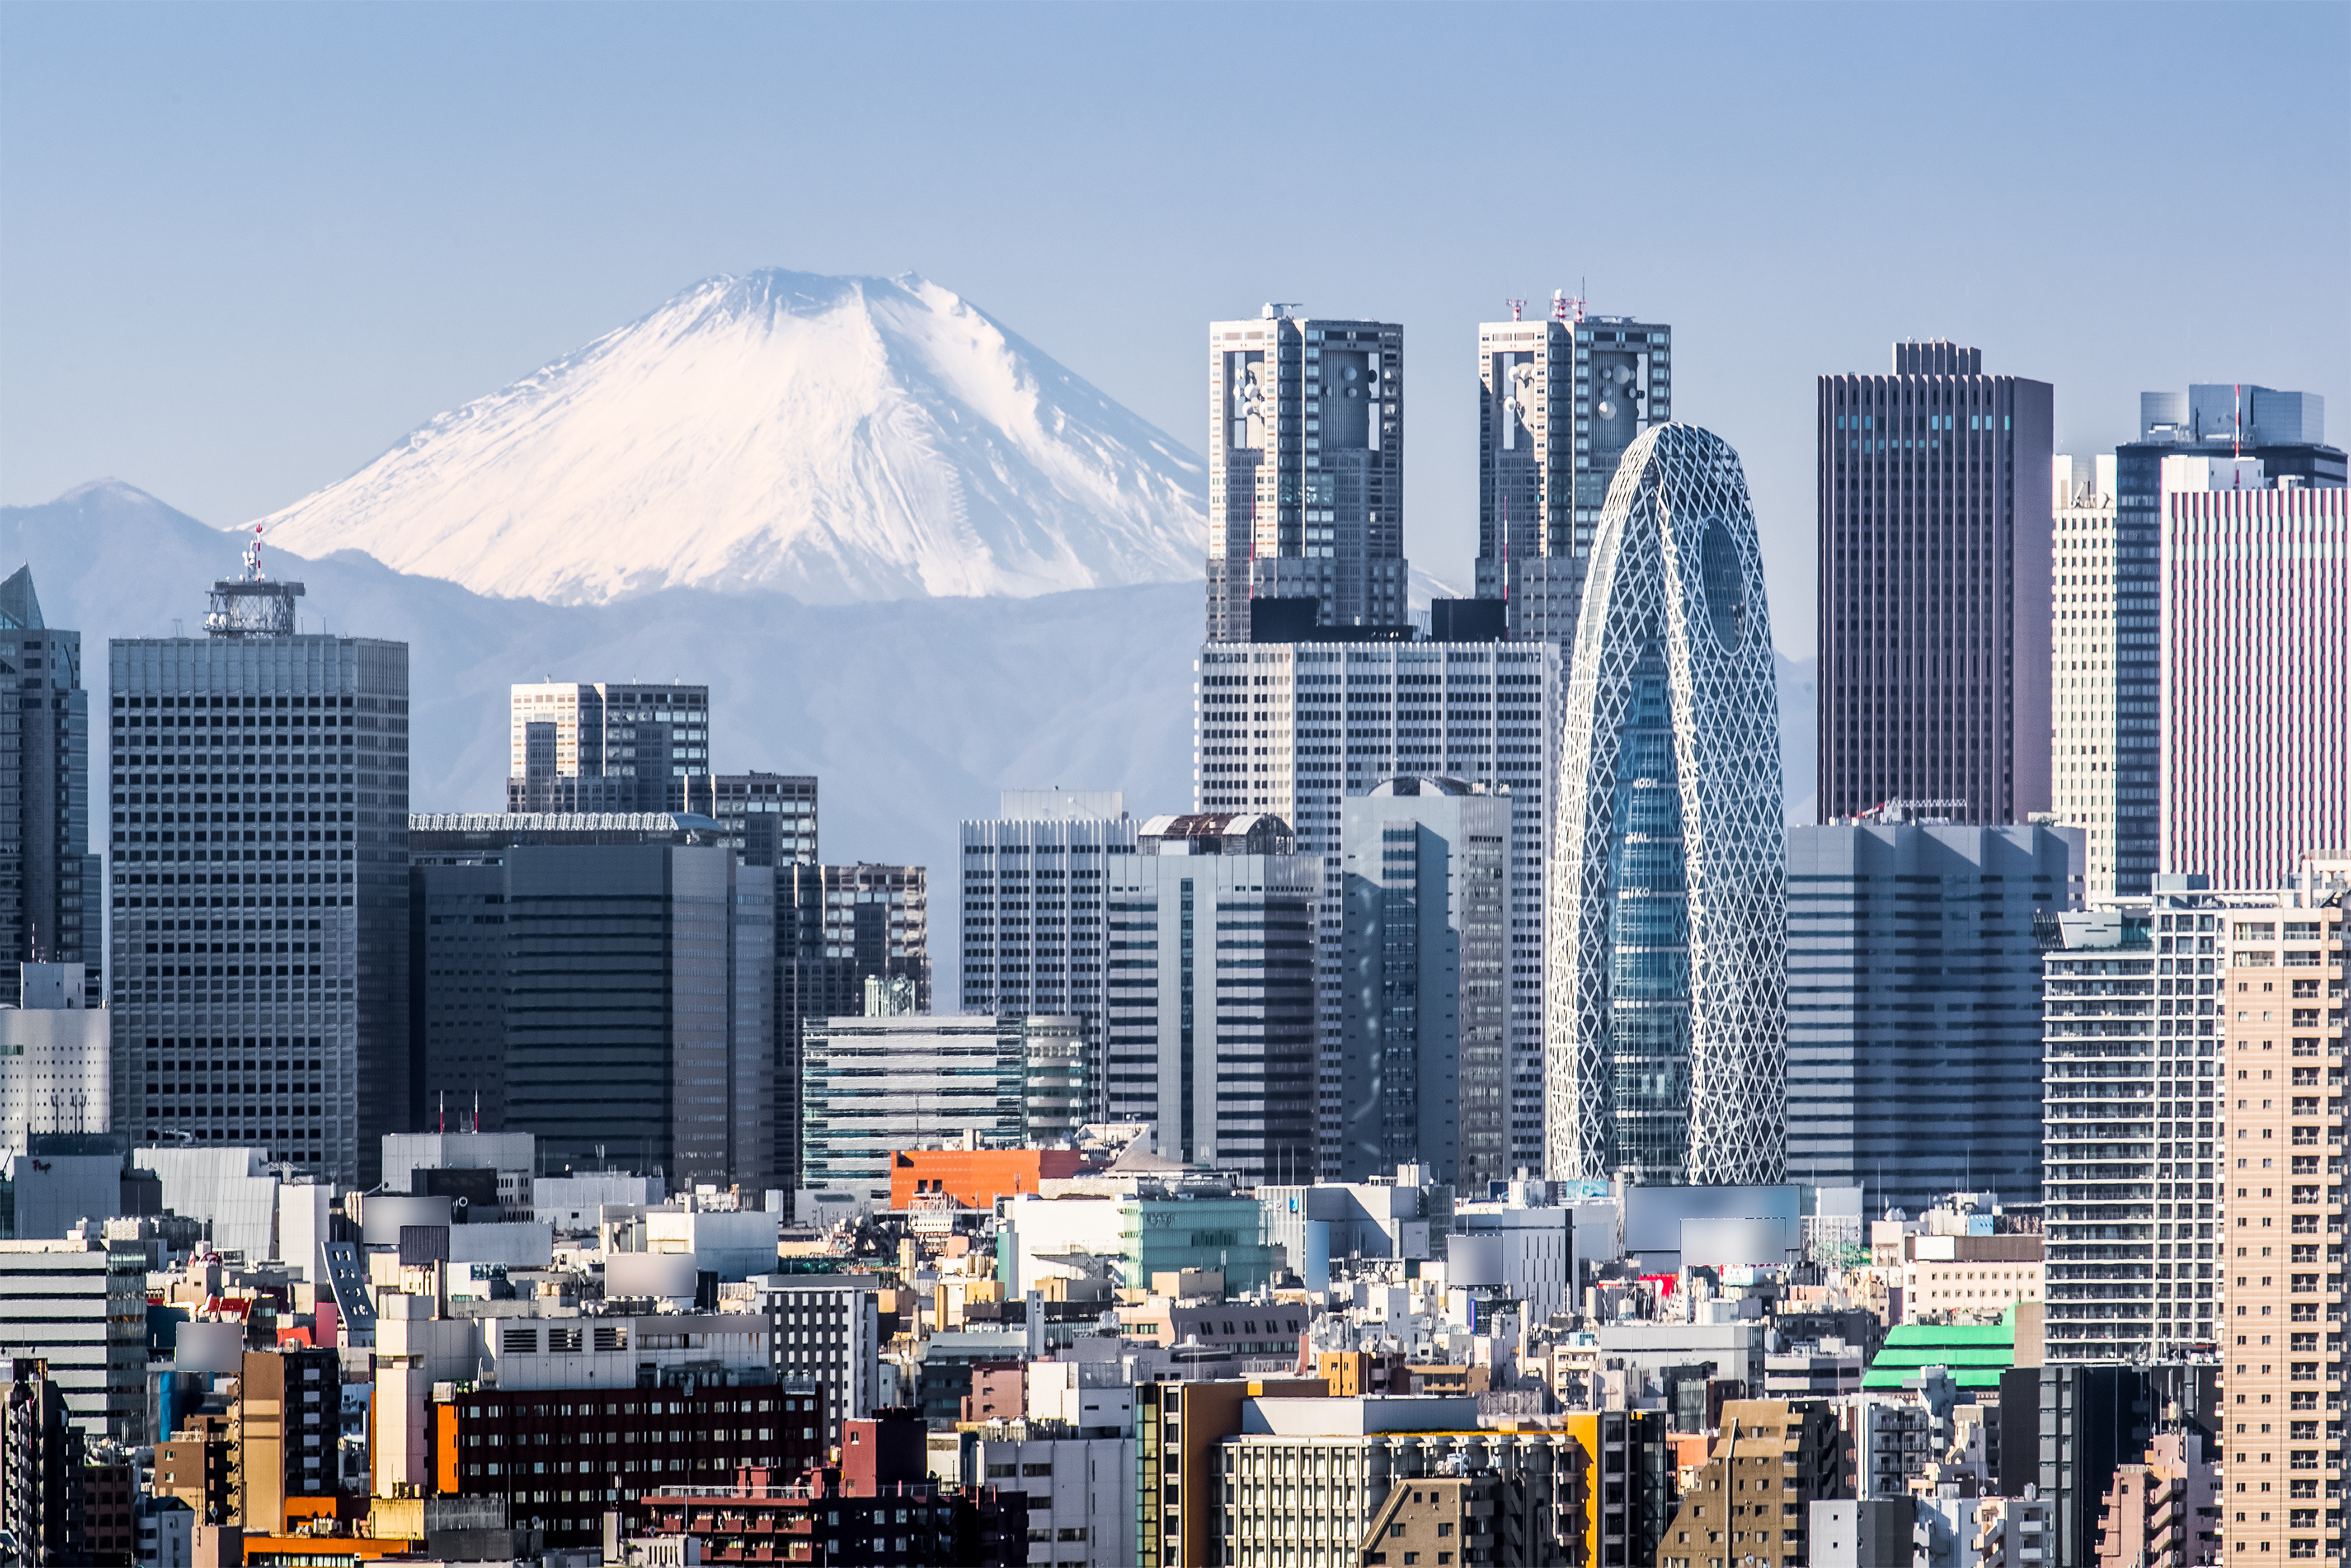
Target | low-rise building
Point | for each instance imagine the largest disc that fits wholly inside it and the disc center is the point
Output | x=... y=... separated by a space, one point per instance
x=79 y=1305
x=1081 y=1490
x=826 y=1328
x=1751 y=1502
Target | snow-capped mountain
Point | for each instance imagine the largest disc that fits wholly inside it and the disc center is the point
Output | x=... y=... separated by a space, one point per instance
x=839 y=439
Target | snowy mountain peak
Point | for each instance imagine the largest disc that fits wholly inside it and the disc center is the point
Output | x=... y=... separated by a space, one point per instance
x=840 y=439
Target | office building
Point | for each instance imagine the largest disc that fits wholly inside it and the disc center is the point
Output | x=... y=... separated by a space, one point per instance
x=838 y=928
x=1058 y=1088
x=868 y=1085
x=769 y=818
x=825 y=1328
x=1032 y=905
x=50 y=884
x=1295 y=729
x=79 y=1305
x=2085 y=784
x=605 y=981
x=56 y=1059
x=2114 y=625
x=1667 y=983
x=1424 y=1055
x=258 y=780
x=1559 y=401
x=1210 y=1030
x=599 y=747
x=1935 y=572
x=2280 y=1346
x=1913 y=1006
x=2256 y=670
x=1080 y=1488
x=1306 y=470
x=2131 y=1124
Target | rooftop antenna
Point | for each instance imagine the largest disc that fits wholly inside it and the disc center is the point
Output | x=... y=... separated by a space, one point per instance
x=1516 y=305
x=2237 y=438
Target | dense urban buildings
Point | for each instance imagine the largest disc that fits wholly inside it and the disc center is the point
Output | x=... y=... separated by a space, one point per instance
x=770 y=818
x=1294 y=729
x=79 y=1305
x=1666 y=983
x=51 y=887
x=1914 y=1017
x=1425 y=1063
x=1306 y=470
x=872 y=1084
x=2256 y=700
x=2280 y=1346
x=599 y=746
x=1032 y=905
x=1559 y=401
x=56 y=1059
x=1935 y=554
x=259 y=786
x=1210 y=1033
x=608 y=978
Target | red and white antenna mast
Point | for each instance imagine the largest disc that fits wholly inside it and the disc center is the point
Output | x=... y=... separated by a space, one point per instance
x=1516 y=305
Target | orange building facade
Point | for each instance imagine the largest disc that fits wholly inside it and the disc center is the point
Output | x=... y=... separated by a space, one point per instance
x=975 y=1178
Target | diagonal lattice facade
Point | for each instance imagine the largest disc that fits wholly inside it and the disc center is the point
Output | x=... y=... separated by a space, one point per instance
x=1665 y=1040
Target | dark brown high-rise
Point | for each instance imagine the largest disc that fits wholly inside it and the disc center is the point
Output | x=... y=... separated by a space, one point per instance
x=1934 y=589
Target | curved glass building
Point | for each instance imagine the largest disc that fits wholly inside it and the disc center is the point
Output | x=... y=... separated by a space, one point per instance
x=1665 y=1042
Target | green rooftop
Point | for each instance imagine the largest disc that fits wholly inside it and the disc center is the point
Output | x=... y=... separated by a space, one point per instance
x=1974 y=1353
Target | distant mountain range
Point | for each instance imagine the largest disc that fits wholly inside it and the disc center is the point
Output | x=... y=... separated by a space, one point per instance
x=839 y=439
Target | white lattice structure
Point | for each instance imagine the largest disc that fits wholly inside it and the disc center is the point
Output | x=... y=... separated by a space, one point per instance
x=1666 y=977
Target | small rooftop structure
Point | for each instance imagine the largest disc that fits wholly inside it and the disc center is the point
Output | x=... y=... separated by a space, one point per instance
x=1218 y=833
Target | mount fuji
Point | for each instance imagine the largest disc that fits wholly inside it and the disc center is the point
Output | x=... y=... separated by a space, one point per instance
x=838 y=439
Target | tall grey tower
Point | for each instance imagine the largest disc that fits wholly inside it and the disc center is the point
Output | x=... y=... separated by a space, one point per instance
x=259 y=791
x=1558 y=402
x=50 y=880
x=1935 y=528
x=1305 y=470
x=1667 y=982
x=590 y=747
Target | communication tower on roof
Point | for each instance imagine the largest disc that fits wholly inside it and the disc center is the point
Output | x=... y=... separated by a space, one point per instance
x=251 y=605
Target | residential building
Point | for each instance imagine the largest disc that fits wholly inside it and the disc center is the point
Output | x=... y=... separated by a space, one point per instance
x=1787 y=1446
x=1914 y=1005
x=838 y=926
x=1935 y=529
x=2087 y=786
x=1559 y=401
x=286 y=1421
x=2165 y=1510
x=2285 y=432
x=826 y=1329
x=2130 y=1124
x=1210 y=1030
x=607 y=1444
x=596 y=748
x=870 y=1085
x=2067 y=1431
x=2256 y=635
x=1294 y=729
x=164 y=1533
x=56 y=1059
x=2280 y=1348
x=770 y=818
x=1033 y=907
x=2013 y=1533
x=43 y=1502
x=1424 y=1038
x=1667 y=986
x=1305 y=470
x=78 y=1306
x=50 y=884
x=1627 y=1492
x=608 y=978
x=259 y=786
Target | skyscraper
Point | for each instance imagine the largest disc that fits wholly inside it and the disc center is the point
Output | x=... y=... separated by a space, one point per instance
x=259 y=779
x=2121 y=631
x=1667 y=984
x=770 y=818
x=600 y=747
x=2256 y=670
x=1210 y=998
x=1424 y=1042
x=1305 y=470
x=1033 y=906
x=49 y=882
x=1914 y=1020
x=1559 y=401
x=1934 y=539
x=2090 y=722
x=1294 y=729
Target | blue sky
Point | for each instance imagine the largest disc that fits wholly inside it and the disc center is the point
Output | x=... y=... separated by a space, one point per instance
x=245 y=249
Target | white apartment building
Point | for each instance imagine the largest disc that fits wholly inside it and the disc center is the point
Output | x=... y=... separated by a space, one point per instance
x=1293 y=729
